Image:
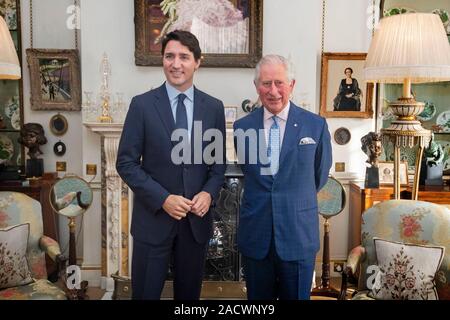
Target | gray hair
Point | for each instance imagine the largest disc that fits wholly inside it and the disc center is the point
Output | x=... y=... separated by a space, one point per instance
x=274 y=59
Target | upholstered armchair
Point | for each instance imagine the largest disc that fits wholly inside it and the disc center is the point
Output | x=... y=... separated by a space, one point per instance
x=404 y=222
x=16 y=209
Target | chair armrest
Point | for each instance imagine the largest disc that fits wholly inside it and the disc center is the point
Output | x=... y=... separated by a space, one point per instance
x=355 y=257
x=50 y=246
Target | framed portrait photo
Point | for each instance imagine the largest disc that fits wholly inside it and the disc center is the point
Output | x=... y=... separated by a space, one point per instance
x=54 y=79
x=229 y=31
x=386 y=173
x=344 y=93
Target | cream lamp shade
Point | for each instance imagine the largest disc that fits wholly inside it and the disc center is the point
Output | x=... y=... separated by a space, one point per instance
x=409 y=47
x=9 y=62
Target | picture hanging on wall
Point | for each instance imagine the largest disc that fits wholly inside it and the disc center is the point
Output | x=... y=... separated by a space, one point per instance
x=55 y=79
x=344 y=94
x=229 y=32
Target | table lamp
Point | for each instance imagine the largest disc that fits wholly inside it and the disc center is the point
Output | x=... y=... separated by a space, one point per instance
x=408 y=48
x=9 y=62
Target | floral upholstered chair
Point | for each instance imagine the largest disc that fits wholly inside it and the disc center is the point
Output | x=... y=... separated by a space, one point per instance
x=418 y=233
x=18 y=209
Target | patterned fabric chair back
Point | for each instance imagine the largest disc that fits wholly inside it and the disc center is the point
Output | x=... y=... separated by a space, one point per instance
x=17 y=208
x=408 y=221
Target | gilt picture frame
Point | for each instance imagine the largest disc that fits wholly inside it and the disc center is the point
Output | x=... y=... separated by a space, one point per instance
x=339 y=99
x=54 y=79
x=229 y=31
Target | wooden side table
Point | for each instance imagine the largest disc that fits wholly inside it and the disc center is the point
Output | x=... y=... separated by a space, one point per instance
x=362 y=199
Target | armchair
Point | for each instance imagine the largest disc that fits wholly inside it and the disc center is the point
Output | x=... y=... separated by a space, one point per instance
x=405 y=221
x=17 y=208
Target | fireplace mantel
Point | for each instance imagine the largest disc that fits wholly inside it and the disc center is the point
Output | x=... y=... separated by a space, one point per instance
x=115 y=209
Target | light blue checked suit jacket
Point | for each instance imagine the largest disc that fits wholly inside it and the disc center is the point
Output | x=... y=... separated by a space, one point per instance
x=285 y=205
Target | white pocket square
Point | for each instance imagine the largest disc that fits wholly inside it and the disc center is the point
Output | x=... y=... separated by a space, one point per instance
x=307 y=140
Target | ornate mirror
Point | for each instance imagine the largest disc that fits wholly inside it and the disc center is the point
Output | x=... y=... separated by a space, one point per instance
x=331 y=201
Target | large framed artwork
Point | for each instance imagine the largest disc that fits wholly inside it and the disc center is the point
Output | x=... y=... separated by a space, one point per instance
x=55 y=79
x=229 y=31
x=344 y=94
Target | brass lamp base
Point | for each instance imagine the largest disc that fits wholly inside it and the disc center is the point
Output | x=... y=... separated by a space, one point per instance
x=406 y=131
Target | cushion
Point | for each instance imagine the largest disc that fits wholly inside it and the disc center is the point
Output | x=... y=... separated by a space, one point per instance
x=406 y=271
x=14 y=269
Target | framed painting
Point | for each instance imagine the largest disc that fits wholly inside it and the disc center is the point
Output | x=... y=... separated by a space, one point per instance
x=229 y=31
x=55 y=79
x=344 y=93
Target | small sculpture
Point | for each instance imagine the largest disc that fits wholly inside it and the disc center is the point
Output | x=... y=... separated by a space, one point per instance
x=32 y=136
x=434 y=154
x=371 y=145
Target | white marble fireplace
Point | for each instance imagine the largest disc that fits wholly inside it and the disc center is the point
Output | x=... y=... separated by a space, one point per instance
x=115 y=203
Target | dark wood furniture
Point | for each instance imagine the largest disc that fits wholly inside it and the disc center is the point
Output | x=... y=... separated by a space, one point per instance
x=363 y=198
x=39 y=189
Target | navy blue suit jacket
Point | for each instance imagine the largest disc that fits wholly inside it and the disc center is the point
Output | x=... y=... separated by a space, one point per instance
x=144 y=163
x=284 y=205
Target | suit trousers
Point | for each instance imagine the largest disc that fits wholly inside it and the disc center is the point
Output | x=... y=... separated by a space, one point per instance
x=272 y=278
x=150 y=264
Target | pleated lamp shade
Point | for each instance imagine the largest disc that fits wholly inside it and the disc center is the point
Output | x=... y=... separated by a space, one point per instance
x=411 y=46
x=9 y=62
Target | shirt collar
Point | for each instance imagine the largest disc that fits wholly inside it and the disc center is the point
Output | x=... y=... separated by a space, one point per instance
x=283 y=115
x=173 y=93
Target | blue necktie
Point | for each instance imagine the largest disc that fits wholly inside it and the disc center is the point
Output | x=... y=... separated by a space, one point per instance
x=273 y=151
x=181 y=115
x=181 y=121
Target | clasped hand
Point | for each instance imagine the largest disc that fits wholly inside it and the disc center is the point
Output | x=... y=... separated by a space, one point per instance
x=178 y=206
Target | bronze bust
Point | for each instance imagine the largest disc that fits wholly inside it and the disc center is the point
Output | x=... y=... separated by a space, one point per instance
x=371 y=145
x=32 y=136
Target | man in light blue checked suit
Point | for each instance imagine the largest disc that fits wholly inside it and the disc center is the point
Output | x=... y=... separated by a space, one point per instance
x=278 y=233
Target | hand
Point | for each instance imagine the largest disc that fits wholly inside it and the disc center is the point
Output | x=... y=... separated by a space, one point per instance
x=177 y=206
x=349 y=95
x=201 y=203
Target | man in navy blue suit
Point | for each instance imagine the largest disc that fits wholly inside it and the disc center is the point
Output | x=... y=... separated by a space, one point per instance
x=285 y=155
x=171 y=217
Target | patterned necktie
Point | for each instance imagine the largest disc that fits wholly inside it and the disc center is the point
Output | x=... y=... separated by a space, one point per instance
x=273 y=151
x=181 y=115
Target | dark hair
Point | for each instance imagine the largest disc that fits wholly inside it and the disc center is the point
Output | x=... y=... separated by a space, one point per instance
x=187 y=39
x=348 y=68
x=35 y=128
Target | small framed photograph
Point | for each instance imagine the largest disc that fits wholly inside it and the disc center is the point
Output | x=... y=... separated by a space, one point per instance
x=59 y=148
x=58 y=125
x=343 y=93
x=54 y=79
x=230 y=115
x=386 y=173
